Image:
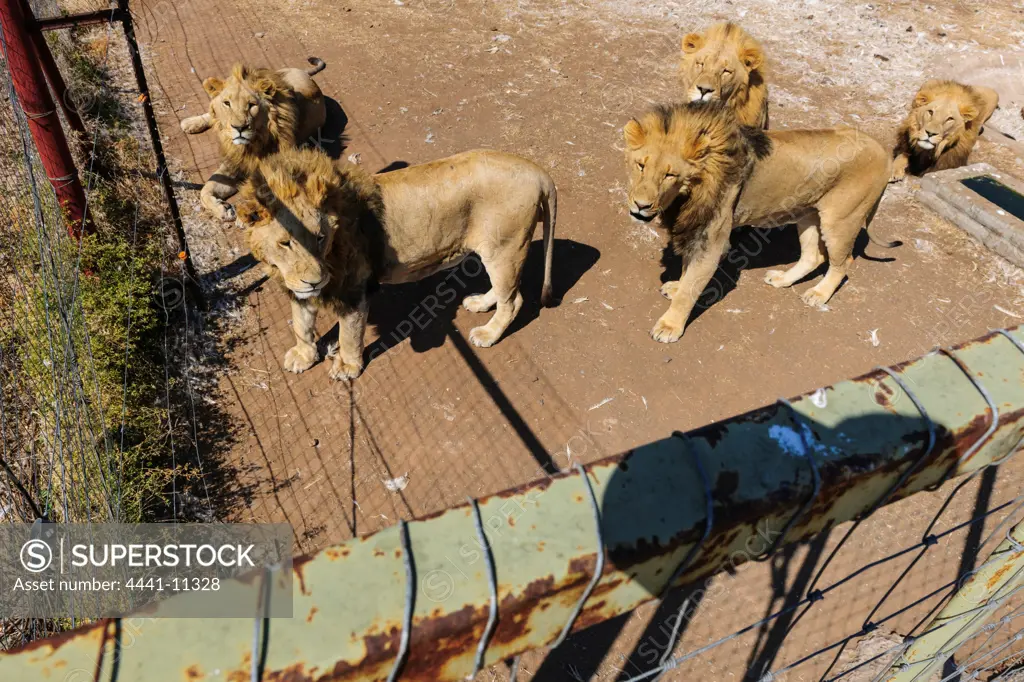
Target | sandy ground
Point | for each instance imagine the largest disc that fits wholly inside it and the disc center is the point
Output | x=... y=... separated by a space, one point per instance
x=432 y=420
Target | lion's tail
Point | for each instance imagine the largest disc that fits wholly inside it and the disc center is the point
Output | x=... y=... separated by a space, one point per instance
x=549 y=208
x=316 y=65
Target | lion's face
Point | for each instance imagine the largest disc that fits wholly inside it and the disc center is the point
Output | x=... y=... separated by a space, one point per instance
x=719 y=64
x=290 y=237
x=658 y=172
x=240 y=107
x=937 y=121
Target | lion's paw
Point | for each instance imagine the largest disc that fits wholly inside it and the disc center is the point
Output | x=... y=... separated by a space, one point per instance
x=814 y=298
x=226 y=212
x=899 y=169
x=669 y=289
x=666 y=332
x=345 y=370
x=300 y=358
x=479 y=303
x=482 y=337
x=777 y=278
x=194 y=125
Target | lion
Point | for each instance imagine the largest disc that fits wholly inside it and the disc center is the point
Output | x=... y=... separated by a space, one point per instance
x=726 y=64
x=330 y=233
x=704 y=173
x=255 y=112
x=944 y=122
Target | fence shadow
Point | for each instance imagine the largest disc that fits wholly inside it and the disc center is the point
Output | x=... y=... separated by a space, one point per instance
x=751 y=248
x=423 y=311
x=771 y=637
x=204 y=350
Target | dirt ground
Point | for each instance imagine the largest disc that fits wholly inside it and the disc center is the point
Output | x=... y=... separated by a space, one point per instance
x=433 y=420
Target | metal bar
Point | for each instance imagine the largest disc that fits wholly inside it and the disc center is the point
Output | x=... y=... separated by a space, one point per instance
x=53 y=75
x=101 y=16
x=43 y=122
x=162 y=171
x=350 y=602
x=966 y=613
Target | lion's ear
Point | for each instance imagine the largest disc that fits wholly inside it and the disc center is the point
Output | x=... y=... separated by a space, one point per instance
x=924 y=95
x=280 y=182
x=969 y=112
x=752 y=57
x=213 y=86
x=251 y=212
x=266 y=87
x=692 y=42
x=634 y=134
x=316 y=189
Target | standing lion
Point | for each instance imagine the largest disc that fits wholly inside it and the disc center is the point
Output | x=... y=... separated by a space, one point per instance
x=255 y=112
x=704 y=173
x=943 y=124
x=725 y=64
x=330 y=232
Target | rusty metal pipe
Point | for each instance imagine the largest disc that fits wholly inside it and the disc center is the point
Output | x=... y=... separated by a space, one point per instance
x=865 y=435
x=43 y=122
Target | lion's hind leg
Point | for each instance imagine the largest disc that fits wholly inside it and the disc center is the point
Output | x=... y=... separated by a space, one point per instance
x=839 y=237
x=504 y=268
x=811 y=255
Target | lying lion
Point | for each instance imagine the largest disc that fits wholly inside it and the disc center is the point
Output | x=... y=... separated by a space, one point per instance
x=330 y=232
x=725 y=64
x=255 y=112
x=704 y=174
x=943 y=124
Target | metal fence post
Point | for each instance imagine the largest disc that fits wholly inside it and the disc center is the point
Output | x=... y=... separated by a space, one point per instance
x=979 y=596
x=65 y=99
x=44 y=124
x=162 y=170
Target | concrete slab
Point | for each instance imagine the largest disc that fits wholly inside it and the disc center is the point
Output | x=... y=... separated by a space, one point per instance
x=994 y=226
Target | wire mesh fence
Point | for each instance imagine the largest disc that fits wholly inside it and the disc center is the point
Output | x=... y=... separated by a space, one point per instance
x=96 y=333
x=852 y=603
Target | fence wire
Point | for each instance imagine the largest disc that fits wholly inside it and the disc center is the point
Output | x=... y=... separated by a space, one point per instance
x=998 y=655
x=98 y=420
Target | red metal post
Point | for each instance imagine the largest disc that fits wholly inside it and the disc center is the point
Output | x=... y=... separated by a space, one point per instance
x=43 y=122
x=65 y=98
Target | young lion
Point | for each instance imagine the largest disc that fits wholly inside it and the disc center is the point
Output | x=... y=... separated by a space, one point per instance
x=330 y=232
x=704 y=173
x=255 y=112
x=943 y=124
x=725 y=64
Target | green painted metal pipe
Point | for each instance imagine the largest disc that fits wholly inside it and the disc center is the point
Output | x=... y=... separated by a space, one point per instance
x=861 y=437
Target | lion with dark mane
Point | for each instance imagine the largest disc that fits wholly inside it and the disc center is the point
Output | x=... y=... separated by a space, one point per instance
x=942 y=126
x=330 y=233
x=704 y=173
x=255 y=112
x=726 y=64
